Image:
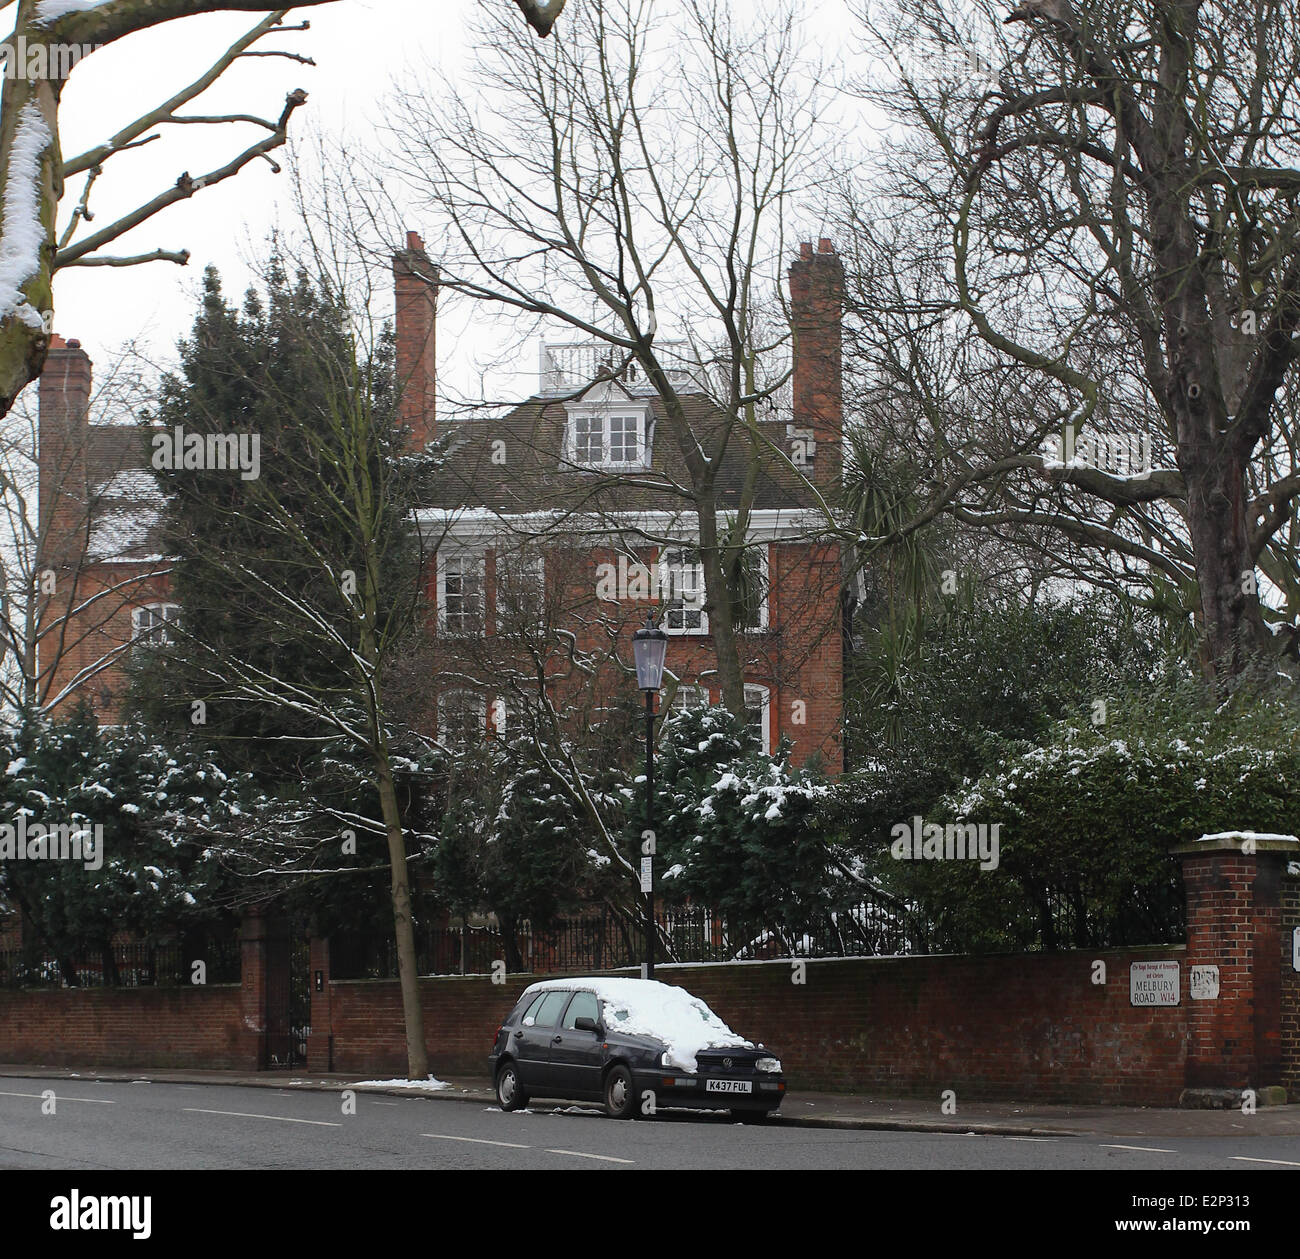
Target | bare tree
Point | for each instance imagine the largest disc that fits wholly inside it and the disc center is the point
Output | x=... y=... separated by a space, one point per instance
x=1094 y=209
x=620 y=182
x=53 y=36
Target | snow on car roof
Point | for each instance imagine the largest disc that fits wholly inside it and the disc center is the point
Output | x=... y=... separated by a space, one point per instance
x=645 y=1007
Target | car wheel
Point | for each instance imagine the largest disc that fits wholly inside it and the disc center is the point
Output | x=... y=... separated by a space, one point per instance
x=510 y=1093
x=620 y=1096
x=751 y=1116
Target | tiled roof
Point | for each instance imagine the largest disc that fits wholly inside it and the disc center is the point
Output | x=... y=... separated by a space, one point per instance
x=515 y=464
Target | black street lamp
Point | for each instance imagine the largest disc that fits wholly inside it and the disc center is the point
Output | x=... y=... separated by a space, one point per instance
x=649 y=646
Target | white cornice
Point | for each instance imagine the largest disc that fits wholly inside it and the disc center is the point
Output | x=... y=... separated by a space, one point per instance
x=470 y=526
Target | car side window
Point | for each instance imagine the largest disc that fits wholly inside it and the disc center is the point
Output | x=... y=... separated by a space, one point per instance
x=548 y=1013
x=530 y=1015
x=583 y=1006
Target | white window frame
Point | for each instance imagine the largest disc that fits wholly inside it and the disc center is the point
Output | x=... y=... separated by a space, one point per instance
x=763 y=576
x=587 y=418
x=762 y=692
x=473 y=701
x=461 y=561
x=166 y=613
x=606 y=413
x=667 y=592
x=638 y=431
x=537 y=563
x=690 y=690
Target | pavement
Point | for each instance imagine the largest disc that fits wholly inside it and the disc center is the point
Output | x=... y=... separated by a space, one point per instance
x=801 y=1108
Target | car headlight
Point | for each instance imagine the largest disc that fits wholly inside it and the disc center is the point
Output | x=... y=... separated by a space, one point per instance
x=770 y=1065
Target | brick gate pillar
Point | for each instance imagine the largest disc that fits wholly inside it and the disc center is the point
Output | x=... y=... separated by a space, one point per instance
x=252 y=1006
x=1234 y=888
x=1290 y=965
x=320 y=1044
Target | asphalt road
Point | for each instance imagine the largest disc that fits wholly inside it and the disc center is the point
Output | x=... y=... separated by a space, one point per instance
x=115 y=1125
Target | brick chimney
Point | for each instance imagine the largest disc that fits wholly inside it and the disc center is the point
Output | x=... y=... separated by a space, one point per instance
x=63 y=394
x=816 y=307
x=415 y=280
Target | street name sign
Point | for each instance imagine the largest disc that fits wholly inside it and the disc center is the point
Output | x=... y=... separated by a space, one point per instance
x=1153 y=983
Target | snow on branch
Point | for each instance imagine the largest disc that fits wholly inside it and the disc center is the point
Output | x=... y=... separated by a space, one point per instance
x=21 y=232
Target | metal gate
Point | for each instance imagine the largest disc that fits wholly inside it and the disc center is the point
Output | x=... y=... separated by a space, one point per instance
x=288 y=996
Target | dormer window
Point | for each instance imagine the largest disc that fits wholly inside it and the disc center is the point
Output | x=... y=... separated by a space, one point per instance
x=625 y=439
x=608 y=430
x=589 y=439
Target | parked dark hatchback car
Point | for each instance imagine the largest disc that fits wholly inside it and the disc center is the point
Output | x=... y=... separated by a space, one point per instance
x=635 y=1045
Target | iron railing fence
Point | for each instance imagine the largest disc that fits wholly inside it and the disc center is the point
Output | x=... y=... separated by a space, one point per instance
x=606 y=939
x=139 y=964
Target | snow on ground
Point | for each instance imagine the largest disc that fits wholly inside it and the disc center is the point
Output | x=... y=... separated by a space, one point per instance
x=645 y=1007
x=419 y=1086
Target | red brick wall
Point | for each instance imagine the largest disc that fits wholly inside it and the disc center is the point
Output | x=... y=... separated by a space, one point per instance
x=816 y=303
x=417 y=362
x=1234 y=922
x=1290 y=996
x=126 y=1027
x=1026 y=1026
x=799 y=657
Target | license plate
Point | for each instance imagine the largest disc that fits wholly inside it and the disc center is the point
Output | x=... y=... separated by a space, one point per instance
x=728 y=1086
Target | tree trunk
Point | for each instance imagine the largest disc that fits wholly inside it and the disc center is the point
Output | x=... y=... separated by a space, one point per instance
x=718 y=607
x=1216 y=516
x=417 y=1057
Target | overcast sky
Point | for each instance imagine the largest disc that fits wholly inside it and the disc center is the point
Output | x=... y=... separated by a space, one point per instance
x=361 y=48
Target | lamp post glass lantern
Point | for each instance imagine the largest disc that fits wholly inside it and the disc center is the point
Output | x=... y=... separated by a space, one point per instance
x=649 y=647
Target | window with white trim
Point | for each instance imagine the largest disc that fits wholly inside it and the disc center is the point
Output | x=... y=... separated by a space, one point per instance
x=151 y=623
x=681 y=591
x=754 y=589
x=624 y=439
x=690 y=699
x=460 y=593
x=462 y=719
x=520 y=590
x=614 y=436
x=758 y=709
x=589 y=439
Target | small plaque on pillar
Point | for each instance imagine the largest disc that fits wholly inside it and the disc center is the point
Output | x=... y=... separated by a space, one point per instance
x=1295 y=949
x=1204 y=983
x=1154 y=983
